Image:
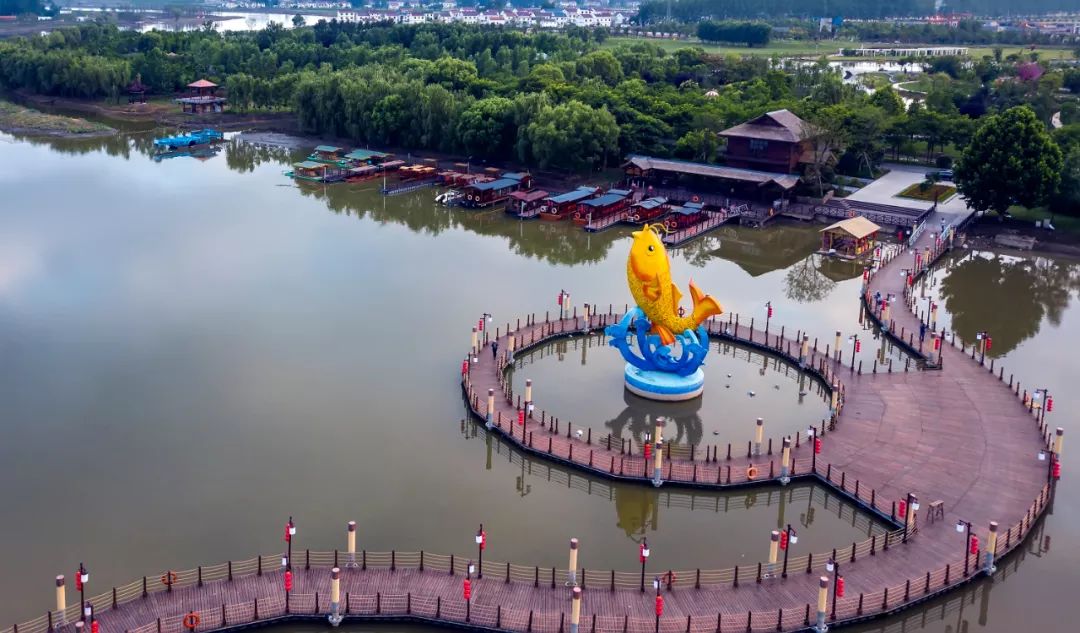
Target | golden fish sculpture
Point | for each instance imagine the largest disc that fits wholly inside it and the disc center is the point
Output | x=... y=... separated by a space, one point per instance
x=648 y=271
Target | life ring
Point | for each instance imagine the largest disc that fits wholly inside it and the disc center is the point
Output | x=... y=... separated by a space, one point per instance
x=851 y=213
x=695 y=199
x=168 y=578
x=751 y=472
x=191 y=621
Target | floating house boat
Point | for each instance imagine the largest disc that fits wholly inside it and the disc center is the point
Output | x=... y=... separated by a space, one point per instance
x=416 y=172
x=526 y=204
x=361 y=157
x=691 y=221
x=391 y=165
x=361 y=173
x=191 y=139
x=603 y=211
x=851 y=238
x=313 y=171
x=327 y=154
x=561 y=206
x=685 y=216
x=648 y=210
x=484 y=194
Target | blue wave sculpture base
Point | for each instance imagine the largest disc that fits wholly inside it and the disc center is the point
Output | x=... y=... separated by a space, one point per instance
x=662 y=385
x=654 y=370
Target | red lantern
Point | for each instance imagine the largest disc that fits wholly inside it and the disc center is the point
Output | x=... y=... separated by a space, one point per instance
x=483 y=540
x=937 y=343
x=1049 y=404
x=521 y=416
x=288 y=537
x=78 y=581
x=95 y=627
x=641 y=552
x=466 y=589
x=989 y=343
x=909 y=280
x=839 y=586
x=865 y=274
x=901 y=508
x=770 y=311
x=817 y=445
x=1057 y=470
x=858 y=346
x=559 y=300
x=783 y=539
x=288 y=581
x=464 y=367
x=480 y=325
x=974 y=544
x=648 y=450
x=659 y=606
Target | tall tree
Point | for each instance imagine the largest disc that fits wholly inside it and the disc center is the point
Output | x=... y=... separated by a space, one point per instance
x=1011 y=160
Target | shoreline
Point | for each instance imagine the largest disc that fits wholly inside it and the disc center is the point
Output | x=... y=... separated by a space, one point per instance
x=19 y=119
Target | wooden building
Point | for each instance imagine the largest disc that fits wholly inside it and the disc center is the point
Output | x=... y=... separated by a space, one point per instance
x=775 y=142
x=136 y=90
x=718 y=185
x=326 y=154
x=202 y=98
x=359 y=157
x=313 y=171
x=851 y=238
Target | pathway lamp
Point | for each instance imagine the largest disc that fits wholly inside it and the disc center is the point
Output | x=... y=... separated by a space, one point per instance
x=788 y=538
x=768 y=316
x=659 y=602
x=81 y=578
x=470 y=569
x=910 y=511
x=290 y=532
x=962 y=526
x=833 y=567
x=856 y=347
x=481 y=543
x=643 y=556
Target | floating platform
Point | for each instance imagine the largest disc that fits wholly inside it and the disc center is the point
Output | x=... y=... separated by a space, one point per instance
x=664 y=386
x=191 y=139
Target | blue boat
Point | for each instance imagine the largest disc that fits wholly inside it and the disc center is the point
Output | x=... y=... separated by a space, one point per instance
x=191 y=139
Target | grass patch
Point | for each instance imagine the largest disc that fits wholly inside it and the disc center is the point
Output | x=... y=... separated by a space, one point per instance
x=928 y=193
x=18 y=119
x=1063 y=223
x=783 y=48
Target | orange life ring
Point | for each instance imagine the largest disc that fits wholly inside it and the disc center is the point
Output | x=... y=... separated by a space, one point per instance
x=751 y=472
x=191 y=621
x=168 y=578
x=696 y=199
x=851 y=213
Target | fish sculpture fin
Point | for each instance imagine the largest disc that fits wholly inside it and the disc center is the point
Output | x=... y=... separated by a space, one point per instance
x=676 y=297
x=666 y=337
x=704 y=305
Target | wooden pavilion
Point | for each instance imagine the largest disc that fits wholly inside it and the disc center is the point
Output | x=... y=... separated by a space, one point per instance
x=850 y=238
x=136 y=90
x=202 y=98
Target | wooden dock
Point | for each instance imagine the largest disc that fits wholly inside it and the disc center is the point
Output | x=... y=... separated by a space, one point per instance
x=960 y=435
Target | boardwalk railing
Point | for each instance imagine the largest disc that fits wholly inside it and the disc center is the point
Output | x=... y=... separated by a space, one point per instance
x=422 y=607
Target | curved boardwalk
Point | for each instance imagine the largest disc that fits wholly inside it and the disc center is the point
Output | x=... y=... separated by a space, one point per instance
x=959 y=435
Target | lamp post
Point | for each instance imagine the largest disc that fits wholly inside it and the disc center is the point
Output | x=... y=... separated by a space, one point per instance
x=643 y=555
x=659 y=602
x=965 y=526
x=83 y=577
x=833 y=567
x=854 y=338
x=791 y=537
x=481 y=543
x=909 y=512
x=984 y=339
x=768 y=317
x=1044 y=397
x=290 y=532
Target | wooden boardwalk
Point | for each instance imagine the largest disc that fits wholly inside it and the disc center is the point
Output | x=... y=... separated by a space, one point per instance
x=959 y=435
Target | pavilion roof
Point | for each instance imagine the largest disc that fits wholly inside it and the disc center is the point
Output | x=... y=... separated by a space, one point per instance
x=202 y=83
x=857 y=227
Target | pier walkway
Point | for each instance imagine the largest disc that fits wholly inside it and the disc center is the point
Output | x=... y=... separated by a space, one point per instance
x=960 y=435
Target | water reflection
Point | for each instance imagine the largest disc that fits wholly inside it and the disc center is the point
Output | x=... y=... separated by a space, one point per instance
x=580 y=380
x=1004 y=295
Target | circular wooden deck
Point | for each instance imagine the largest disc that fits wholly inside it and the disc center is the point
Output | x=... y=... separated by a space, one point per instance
x=959 y=435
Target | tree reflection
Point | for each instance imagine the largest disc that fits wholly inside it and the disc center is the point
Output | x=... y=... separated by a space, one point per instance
x=1007 y=296
x=805 y=283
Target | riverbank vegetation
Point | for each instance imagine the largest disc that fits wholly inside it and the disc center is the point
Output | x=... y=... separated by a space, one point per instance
x=20 y=120
x=554 y=100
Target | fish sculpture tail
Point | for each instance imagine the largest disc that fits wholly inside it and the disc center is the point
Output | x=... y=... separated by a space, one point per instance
x=704 y=305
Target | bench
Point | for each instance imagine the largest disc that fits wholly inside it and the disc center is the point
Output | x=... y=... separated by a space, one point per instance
x=936 y=511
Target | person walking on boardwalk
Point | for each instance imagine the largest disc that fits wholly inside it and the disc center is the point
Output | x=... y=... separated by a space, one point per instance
x=494 y=349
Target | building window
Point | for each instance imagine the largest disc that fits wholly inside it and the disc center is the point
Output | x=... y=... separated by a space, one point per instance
x=758 y=146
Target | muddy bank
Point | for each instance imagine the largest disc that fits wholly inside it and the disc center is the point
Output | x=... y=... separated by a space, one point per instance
x=23 y=121
x=987 y=233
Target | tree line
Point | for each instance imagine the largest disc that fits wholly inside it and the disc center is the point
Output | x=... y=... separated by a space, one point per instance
x=749 y=33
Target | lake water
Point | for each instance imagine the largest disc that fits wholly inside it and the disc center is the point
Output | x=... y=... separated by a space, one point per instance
x=196 y=349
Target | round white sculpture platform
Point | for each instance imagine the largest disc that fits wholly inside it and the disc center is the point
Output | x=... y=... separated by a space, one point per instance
x=658 y=385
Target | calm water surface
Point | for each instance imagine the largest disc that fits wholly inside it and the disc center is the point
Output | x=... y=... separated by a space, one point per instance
x=196 y=349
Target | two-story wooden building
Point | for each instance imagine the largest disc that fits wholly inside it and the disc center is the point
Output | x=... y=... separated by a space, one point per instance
x=774 y=142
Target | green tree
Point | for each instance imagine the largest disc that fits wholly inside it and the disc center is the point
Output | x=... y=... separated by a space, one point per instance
x=486 y=128
x=298 y=20
x=888 y=100
x=699 y=145
x=1011 y=160
x=573 y=136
